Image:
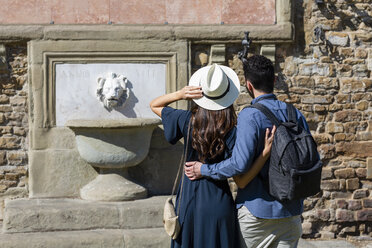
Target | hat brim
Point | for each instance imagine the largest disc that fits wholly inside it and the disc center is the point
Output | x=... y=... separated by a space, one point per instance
x=220 y=103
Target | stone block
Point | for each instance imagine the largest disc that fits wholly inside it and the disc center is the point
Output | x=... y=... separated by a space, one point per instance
x=344 y=70
x=326 y=83
x=352 y=86
x=336 y=195
x=340 y=137
x=327 y=151
x=346 y=51
x=307 y=228
x=361 y=172
x=322 y=138
x=354 y=205
x=362 y=105
x=338 y=39
x=302 y=81
x=3 y=157
x=341 y=98
x=6 y=108
x=360 y=193
x=352 y=184
x=316 y=99
x=367 y=203
x=364 y=215
x=344 y=173
x=10 y=142
x=45 y=215
x=355 y=149
x=360 y=71
x=334 y=127
x=343 y=215
x=19 y=131
x=353 y=61
x=347 y=115
x=323 y=214
x=361 y=53
x=369 y=168
x=327 y=173
x=361 y=97
x=63 y=173
x=18 y=101
x=327 y=235
x=4 y=99
x=330 y=184
x=335 y=107
x=311 y=69
x=341 y=203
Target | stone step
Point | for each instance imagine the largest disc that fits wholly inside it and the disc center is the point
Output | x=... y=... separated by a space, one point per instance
x=47 y=215
x=135 y=238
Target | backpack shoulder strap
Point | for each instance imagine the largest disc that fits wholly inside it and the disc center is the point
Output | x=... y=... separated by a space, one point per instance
x=267 y=112
x=291 y=110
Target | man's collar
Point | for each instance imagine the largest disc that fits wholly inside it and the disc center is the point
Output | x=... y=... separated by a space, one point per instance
x=265 y=96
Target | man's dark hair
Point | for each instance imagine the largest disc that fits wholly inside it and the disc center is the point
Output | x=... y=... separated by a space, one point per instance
x=259 y=70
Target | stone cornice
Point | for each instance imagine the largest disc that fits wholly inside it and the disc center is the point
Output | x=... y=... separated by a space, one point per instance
x=278 y=33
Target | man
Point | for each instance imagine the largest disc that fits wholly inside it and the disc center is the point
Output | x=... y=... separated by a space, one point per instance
x=263 y=220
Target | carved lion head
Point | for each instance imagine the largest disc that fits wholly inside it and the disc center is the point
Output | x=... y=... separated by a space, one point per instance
x=112 y=91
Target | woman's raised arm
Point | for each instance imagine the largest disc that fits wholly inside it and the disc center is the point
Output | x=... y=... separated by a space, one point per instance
x=186 y=93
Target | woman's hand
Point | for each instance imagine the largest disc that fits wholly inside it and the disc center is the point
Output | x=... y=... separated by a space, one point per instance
x=190 y=92
x=269 y=137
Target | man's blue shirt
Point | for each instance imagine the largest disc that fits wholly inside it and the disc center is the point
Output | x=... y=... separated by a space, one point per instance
x=250 y=141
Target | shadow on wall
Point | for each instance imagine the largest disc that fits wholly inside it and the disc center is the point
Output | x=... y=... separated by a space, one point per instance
x=159 y=169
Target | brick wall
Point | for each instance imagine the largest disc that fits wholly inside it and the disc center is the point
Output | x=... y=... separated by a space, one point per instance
x=13 y=124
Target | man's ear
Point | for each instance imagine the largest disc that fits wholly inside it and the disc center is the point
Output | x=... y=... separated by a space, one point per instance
x=249 y=85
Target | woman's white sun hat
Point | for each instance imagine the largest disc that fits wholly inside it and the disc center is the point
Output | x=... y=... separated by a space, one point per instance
x=220 y=86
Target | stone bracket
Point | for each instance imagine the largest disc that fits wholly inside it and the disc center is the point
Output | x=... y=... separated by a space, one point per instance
x=218 y=54
x=3 y=64
x=268 y=51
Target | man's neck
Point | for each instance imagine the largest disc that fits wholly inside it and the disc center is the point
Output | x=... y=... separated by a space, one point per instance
x=258 y=93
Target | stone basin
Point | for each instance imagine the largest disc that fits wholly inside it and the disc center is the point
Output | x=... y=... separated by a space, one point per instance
x=113 y=145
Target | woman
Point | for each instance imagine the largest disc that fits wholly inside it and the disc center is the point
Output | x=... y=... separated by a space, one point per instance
x=207 y=211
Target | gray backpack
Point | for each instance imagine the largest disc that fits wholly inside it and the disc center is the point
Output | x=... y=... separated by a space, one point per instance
x=295 y=167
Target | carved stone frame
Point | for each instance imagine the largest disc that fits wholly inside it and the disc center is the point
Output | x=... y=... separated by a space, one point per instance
x=49 y=143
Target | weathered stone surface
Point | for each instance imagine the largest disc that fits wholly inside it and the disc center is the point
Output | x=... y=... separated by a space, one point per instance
x=330 y=185
x=355 y=149
x=347 y=115
x=354 y=205
x=338 y=39
x=352 y=184
x=364 y=215
x=344 y=173
x=369 y=168
x=42 y=215
x=334 y=127
x=137 y=238
x=343 y=215
x=367 y=203
x=360 y=193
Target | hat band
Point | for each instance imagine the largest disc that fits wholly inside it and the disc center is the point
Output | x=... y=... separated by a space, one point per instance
x=220 y=96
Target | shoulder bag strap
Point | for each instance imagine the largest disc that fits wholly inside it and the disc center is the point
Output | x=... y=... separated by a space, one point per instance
x=267 y=112
x=182 y=162
x=291 y=110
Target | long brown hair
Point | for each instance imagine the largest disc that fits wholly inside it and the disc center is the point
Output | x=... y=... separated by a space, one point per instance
x=209 y=130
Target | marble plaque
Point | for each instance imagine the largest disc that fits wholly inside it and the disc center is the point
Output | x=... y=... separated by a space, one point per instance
x=76 y=86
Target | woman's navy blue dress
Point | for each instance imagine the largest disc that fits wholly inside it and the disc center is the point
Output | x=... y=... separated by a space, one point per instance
x=207 y=214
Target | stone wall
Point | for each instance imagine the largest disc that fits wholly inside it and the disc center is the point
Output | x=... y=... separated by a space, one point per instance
x=13 y=123
x=330 y=82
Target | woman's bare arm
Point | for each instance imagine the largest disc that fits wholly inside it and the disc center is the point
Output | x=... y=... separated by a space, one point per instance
x=186 y=93
x=243 y=179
